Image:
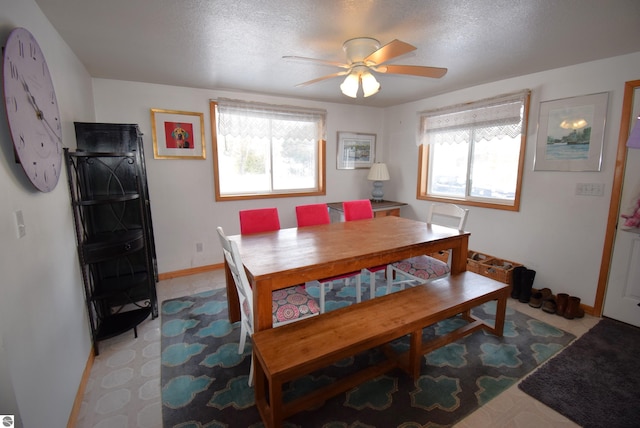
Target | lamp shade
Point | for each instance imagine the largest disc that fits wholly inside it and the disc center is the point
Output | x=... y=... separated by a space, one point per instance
x=350 y=85
x=378 y=172
x=370 y=85
x=634 y=138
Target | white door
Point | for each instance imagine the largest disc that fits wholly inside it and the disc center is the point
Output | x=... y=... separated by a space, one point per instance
x=623 y=287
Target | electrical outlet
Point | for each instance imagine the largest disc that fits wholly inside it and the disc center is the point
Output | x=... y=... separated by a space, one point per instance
x=590 y=189
x=199 y=247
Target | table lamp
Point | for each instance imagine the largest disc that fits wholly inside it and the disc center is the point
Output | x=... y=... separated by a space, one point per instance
x=378 y=173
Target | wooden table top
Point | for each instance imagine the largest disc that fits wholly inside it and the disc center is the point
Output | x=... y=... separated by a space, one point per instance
x=337 y=248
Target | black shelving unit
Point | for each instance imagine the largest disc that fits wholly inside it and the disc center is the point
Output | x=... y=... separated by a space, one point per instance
x=118 y=138
x=115 y=240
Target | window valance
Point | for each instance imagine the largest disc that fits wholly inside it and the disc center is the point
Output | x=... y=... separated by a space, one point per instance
x=490 y=118
x=260 y=120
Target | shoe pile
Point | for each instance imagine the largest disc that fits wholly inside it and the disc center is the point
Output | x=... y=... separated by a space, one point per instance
x=562 y=304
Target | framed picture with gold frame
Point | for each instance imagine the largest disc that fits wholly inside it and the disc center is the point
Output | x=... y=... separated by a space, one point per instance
x=177 y=134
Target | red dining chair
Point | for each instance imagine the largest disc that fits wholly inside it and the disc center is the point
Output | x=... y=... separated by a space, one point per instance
x=289 y=304
x=361 y=209
x=422 y=269
x=315 y=214
x=259 y=220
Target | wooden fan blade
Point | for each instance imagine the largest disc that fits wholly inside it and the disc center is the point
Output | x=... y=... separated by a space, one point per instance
x=318 y=61
x=319 y=79
x=412 y=70
x=389 y=51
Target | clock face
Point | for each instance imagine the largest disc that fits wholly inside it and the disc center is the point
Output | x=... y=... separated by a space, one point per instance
x=32 y=110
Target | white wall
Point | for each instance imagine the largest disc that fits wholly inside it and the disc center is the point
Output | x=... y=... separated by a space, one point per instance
x=44 y=332
x=556 y=232
x=183 y=208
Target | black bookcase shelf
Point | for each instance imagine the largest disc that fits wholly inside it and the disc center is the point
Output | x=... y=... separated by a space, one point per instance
x=116 y=250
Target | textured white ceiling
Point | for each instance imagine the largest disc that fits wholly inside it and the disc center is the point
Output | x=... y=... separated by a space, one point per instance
x=239 y=44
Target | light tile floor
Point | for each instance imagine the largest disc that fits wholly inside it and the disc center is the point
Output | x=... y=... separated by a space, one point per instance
x=123 y=390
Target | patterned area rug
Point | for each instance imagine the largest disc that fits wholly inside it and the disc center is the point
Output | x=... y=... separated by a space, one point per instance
x=204 y=379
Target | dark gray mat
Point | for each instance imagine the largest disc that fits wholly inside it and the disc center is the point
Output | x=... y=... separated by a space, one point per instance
x=595 y=381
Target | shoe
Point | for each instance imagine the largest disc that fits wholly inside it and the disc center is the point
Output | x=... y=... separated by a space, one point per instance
x=517 y=281
x=549 y=305
x=573 y=309
x=528 y=276
x=538 y=297
x=561 y=303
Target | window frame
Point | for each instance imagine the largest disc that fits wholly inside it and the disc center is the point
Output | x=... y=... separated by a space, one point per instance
x=423 y=174
x=321 y=163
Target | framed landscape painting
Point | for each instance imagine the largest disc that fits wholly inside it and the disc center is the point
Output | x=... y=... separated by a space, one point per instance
x=571 y=133
x=356 y=150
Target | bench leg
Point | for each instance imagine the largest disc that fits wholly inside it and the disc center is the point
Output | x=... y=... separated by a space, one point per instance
x=260 y=389
x=275 y=397
x=415 y=354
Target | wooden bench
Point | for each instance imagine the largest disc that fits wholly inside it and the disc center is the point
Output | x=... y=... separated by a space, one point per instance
x=286 y=353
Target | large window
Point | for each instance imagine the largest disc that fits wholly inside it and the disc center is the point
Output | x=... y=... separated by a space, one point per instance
x=474 y=153
x=262 y=150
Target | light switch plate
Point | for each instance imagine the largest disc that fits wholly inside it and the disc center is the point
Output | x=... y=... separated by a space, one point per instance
x=590 y=189
x=21 y=230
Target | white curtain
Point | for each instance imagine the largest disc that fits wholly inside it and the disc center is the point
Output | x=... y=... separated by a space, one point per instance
x=490 y=118
x=248 y=119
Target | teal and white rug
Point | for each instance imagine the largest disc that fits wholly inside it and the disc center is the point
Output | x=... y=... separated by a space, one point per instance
x=204 y=379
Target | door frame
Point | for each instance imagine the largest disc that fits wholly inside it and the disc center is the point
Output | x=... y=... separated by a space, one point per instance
x=616 y=194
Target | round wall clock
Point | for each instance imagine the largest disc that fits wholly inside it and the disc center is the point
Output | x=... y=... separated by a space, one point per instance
x=32 y=110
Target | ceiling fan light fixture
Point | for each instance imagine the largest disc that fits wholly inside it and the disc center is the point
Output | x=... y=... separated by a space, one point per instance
x=370 y=85
x=350 y=85
x=364 y=57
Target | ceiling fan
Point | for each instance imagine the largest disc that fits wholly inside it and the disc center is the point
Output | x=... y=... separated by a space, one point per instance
x=365 y=55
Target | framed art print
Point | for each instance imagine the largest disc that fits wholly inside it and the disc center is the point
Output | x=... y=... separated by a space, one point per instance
x=355 y=150
x=571 y=133
x=177 y=134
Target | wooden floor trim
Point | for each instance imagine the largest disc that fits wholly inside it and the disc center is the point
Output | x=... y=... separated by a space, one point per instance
x=190 y=271
x=77 y=403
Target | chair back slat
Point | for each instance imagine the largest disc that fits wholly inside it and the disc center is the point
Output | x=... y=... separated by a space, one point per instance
x=359 y=209
x=312 y=214
x=259 y=220
x=450 y=215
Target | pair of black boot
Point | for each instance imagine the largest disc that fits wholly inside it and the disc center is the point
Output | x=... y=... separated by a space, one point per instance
x=522 y=283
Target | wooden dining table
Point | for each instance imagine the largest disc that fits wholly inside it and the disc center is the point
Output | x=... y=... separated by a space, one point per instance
x=288 y=257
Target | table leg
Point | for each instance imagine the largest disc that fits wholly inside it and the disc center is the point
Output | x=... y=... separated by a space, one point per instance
x=459 y=255
x=501 y=309
x=262 y=305
x=233 y=302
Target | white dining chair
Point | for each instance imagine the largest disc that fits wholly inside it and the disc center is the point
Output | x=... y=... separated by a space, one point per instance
x=289 y=304
x=424 y=268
